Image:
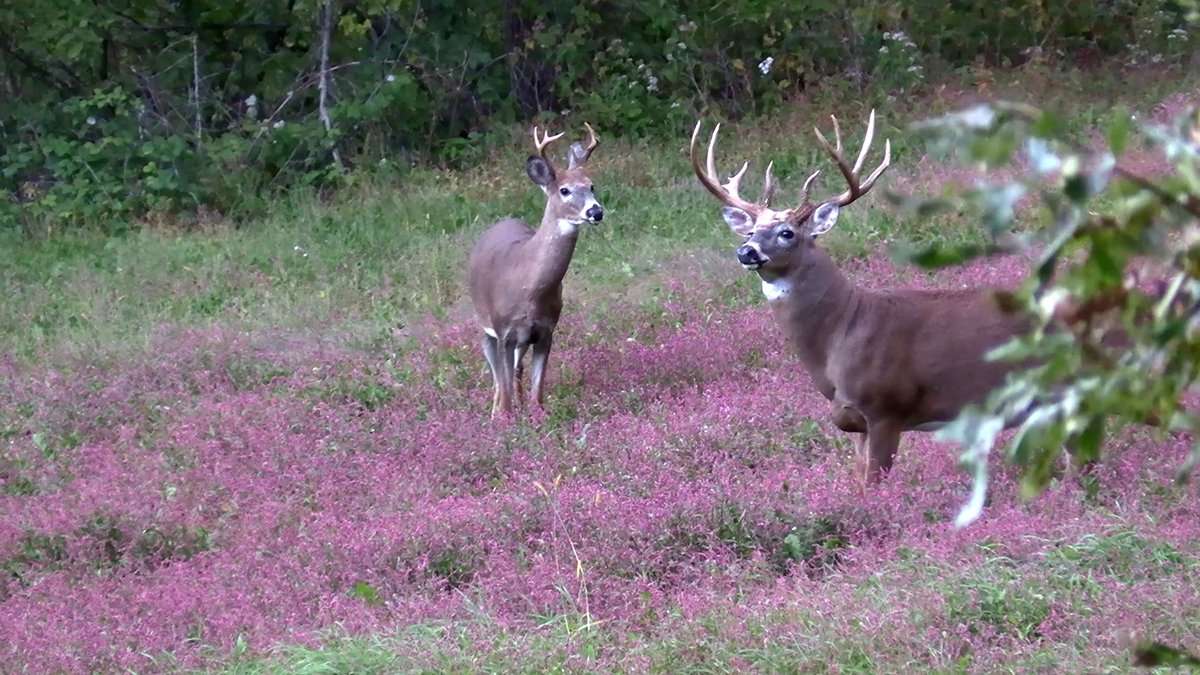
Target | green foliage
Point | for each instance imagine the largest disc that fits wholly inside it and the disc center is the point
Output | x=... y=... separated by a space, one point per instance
x=160 y=108
x=1105 y=349
x=995 y=598
x=814 y=542
x=92 y=162
x=365 y=592
x=454 y=566
x=1158 y=655
x=1123 y=555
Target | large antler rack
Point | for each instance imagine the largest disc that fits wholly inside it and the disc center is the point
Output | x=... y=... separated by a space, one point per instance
x=728 y=193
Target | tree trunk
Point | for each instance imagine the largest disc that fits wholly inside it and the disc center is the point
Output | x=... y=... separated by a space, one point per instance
x=196 y=88
x=323 y=83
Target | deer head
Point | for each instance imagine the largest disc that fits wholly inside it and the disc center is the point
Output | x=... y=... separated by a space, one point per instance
x=774 y=240
x=570 y=194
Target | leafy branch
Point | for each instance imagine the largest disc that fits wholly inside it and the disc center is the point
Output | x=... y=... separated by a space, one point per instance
x=1106 y=348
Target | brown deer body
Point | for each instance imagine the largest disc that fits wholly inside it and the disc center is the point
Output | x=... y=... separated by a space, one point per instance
x=889 y=361
x=515 y=272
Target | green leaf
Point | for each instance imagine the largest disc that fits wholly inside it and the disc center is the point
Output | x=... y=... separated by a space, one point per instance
x=1120 y=125
x=1087 y=445
x=994 y=150
x=1049 y=125
x=1157 y=655
x=365 y=592
x=1076 y=187
x=1107 y=262
x=999 y=206
x=40 y=442
x=1043 y=157
x=976 y=430
x=793 y=548
x=1016 y=349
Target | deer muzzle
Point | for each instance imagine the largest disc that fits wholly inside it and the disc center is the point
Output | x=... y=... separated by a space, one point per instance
x=750 y=257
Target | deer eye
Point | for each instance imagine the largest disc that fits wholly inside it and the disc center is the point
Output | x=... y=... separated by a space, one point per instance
x=564 y=192
x=786 y=234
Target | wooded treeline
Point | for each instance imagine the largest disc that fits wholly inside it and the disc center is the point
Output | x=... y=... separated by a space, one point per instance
x=116 y=108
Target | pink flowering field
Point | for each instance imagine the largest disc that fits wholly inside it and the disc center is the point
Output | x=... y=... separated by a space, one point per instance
x=207 y=463
x=235 y=501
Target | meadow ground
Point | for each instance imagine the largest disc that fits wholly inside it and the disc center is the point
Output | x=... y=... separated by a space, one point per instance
x=266 y=448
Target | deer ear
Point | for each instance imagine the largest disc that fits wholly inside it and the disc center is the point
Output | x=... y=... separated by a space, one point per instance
x=739 y=221
x=823 y=219
x=578 y=155
x=540 y=171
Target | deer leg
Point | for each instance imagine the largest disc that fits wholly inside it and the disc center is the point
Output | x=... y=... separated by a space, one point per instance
x=489 y=353
x=850 y=420
x=883 y=438
x=506 y=350
x=860 y=461
x=541 y=354
x=518 y=373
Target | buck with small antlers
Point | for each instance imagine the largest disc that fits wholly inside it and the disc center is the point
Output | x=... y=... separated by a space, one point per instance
x=515 y=273
x=889 y=361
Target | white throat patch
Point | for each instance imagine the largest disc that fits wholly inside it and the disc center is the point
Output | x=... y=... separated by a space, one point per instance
x=774 y=290
x=567 y=226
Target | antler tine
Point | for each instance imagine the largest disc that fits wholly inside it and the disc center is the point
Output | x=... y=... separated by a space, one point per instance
x=710 y=163
x=769 y=186
x=808 y=183
x=733 y=185
x=708 y=173
x=592 y=140
x=545 y=141
x=870 y=136
x=887 y=161
x=856 y=188
x=836 y=154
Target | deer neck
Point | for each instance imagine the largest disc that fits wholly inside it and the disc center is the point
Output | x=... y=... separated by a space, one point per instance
x=552 y=248
x=811 y=302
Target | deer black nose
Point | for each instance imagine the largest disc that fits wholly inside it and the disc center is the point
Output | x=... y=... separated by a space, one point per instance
x=595 y=213
x=748 y=255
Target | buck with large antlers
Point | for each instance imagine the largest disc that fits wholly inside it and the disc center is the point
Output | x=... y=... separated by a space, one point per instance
x=889 y=361
x=515 y=273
